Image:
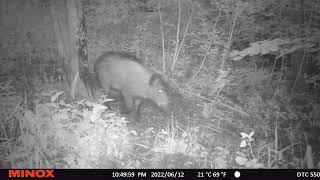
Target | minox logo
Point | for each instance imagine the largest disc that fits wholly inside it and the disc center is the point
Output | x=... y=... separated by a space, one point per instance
x=35 y=173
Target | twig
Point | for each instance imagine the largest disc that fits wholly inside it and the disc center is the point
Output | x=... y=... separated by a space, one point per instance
x=162 y=39
x=177 y=39
x=207 y=99
x=205 y=57
x=299 y=72
x=273 y=68
x=223 y=104
x=276 y=136
x=203 y=60
x=8 y=142
x=284 y=149
x=184 y=36
x=230 y=37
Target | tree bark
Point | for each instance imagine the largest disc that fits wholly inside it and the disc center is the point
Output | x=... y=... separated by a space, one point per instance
x=71 y=45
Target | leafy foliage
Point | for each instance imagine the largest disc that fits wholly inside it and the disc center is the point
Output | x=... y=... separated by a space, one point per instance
x=231 y=66
x=280 y=47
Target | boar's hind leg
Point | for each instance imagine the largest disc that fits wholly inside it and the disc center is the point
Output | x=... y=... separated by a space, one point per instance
x=106 y=88
x=135 y=113
x=133 y=105
x=128 y=100
x=106 y=91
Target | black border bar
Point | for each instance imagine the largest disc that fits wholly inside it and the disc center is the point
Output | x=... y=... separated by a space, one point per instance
x=160 y=173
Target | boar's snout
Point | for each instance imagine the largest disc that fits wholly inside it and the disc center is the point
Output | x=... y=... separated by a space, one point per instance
x=164 y=107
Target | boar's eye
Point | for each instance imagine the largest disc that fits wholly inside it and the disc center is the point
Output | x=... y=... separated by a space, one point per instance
x=160 y=91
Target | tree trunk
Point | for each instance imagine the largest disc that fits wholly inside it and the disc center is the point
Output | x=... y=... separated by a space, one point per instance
x=69 y=28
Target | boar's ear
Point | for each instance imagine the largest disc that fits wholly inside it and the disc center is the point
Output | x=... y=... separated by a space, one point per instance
x=155 y=79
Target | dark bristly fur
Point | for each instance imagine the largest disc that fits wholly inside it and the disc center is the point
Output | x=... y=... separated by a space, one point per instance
x=123 y=72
